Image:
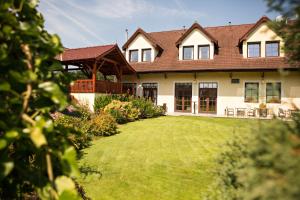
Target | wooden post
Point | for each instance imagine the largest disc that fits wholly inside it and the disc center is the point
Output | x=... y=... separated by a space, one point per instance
x=94 y=76
x=66 y=68
x=121 y=74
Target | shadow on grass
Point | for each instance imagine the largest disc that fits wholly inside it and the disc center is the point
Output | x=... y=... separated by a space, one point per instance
x=88 y=170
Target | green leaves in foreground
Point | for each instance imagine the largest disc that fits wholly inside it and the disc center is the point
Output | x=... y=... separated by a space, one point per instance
x=37 y=157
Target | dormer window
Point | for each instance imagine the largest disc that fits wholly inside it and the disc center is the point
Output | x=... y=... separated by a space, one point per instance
x=188 y=53
x=272 y=49
x=146 y=55
x=133 y=55
x=253 y=49
x=203 y=52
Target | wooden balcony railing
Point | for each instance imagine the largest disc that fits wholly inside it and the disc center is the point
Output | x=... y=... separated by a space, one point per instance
x=86 y=86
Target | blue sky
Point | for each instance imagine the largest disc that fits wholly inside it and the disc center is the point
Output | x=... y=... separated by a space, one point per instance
x=82 y=23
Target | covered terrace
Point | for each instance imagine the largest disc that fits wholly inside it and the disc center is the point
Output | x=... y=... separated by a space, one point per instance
x=108 y=60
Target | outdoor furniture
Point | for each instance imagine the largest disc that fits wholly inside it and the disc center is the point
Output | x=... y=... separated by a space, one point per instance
x=251 y=112
x=282 y=113
x=240 y=112
x=263 y=112
x=229 y=111
x=293 y=112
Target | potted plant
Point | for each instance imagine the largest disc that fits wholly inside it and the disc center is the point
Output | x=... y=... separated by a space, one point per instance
x=263 y=111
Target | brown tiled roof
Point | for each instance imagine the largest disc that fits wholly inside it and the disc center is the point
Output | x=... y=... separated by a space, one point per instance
x=87 y=56
x=228 y=56
x=84 y=53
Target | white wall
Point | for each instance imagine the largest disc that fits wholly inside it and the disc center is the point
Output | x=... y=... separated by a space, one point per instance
x=229 y=95
x=195 y=38
x=139 y=43
x=262 y=34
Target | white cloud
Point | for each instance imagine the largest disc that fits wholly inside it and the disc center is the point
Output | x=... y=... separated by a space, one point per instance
x=130 y=8
x=60 y=24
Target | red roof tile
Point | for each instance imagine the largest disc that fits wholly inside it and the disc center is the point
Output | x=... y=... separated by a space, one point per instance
x=84 y=53
x=228 y=56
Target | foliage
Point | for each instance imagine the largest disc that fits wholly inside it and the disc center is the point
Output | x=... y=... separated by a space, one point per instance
x=36 y=155
x=104 y=124
x=122 y=111
x=266 y=166
x=80 y=130
x=287 y=29
x=147 y=108
x=103 y=100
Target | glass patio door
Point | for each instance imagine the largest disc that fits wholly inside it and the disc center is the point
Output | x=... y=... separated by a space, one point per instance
x=208 y=93
x=183 y=97
x=150 y=91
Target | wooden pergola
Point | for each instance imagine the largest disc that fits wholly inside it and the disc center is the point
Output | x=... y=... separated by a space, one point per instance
x=108 y=60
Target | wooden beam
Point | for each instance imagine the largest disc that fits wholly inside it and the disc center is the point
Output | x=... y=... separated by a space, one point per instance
x=121 y=74
x=101 y=64
x=117 y=70
x=110 y=60
x=94 y=76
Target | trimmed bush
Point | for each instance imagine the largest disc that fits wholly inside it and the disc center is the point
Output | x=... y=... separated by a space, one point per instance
x=103 y=124
x=122 y=111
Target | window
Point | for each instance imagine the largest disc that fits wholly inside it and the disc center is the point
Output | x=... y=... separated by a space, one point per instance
x=203 y=52
x=273 y=92
x=129 y=88
x=133 y=55
x=146 y=55
x=251 y=92
x=272 y=49
x=254 y=50
x=188 y=53
x=150 y=91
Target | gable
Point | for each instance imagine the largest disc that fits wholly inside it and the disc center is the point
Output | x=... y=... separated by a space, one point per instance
x=140 y=42
x=263 y=33
x=196 y=37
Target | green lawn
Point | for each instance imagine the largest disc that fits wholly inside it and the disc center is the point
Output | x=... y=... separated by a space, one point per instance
x=161 y=158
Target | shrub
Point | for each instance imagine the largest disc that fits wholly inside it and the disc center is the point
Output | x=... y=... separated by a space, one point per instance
x=122 y=111
x=103 y=124
x=80 y=130
x=36 y=156
x=101 y=102
x=147 y=108
x=104 y=100
x=265 y=166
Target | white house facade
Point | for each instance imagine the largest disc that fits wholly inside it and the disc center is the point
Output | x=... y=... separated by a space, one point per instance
x=212 y=70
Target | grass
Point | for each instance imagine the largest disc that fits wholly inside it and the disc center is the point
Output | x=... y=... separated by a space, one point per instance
x=161 y=158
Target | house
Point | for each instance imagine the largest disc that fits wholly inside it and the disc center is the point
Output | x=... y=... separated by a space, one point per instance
x=211 y=69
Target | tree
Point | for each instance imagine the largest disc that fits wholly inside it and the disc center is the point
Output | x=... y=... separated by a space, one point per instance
x=289 y=26
x=36 y=156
